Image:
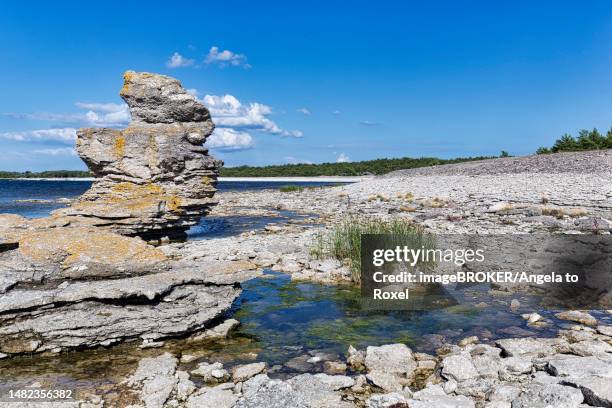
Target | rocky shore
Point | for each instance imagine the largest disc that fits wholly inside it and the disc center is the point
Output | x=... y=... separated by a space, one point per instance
x=88 y=276
x=569 y=202
x=570 y=371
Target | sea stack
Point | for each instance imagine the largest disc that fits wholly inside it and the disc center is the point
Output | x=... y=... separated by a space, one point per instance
x=85 y=277
x=154 y=179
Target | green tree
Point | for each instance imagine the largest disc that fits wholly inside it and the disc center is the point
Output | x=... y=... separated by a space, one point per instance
x=590 y=140
x=543 y=150
x=565 y=144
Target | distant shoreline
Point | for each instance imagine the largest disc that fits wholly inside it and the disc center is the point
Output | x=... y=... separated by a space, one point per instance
x=321 y=179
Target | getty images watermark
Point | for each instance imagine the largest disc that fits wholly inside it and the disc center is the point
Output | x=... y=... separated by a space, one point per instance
x=566 y=270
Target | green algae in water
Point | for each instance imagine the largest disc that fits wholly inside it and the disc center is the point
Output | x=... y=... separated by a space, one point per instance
x=286 y=319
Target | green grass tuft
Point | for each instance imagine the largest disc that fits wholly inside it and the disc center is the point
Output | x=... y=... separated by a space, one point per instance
x=343 y=242
x=291 y=189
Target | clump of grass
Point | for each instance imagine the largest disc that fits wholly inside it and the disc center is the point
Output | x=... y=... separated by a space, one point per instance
x=342 y=194
x=553 y=211
x=321 y=187
x=407 y=208
x=378 y=196
x=577 y=212
x=435 y=202
x=544 y=199
x=343 y=242
x=407 y=196
x=291 y=189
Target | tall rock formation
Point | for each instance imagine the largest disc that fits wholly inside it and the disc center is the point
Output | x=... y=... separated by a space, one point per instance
x=154 y=178
x=75 y=280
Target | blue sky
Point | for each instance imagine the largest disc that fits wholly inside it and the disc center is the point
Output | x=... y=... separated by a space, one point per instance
x=312 y=82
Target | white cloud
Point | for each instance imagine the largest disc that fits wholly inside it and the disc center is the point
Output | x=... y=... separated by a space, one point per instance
x=336 y=112
x=102 y=107
x=226 y=58
x=296 y=160
x=343 y=158
x=176 y=60
x=48 y=116
x=61 y=151
x=62 y=135
x=368 y=123
x=229 y=140
x=106 y=114
x=118 y=116
x=227 y=111
x=305 y=111
x=98 y=114
x=192 y=91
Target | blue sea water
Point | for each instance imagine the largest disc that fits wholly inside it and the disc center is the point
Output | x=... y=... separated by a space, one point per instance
x=37 y=198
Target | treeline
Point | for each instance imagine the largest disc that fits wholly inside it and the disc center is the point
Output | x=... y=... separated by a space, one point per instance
x=586 y=140
x=379 y=166
x=45 y=174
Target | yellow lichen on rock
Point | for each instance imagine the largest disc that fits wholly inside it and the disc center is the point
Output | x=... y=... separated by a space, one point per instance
x=174 y=204
x=127 y=78
x=137 y=190
x=119 y=146
x=90 y=245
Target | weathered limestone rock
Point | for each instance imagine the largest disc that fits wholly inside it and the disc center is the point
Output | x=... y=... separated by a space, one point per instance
x=390 y=400
x=391 y=358
x=84 y=277
x=577 y=316
x=580 y=366
x=302 y=391
x=211 y=372
x=90 y=314
x=67 y=287
x=553 y=395
x=246 y=371
x=387 y=381
x=459 y=367
x=154 y=380
x=212 y=397
x=154 y=178
x=529 y=347
x=220 y=331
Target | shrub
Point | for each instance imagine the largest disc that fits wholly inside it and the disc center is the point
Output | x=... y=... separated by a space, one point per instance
x=553 y=211
x=577 y=212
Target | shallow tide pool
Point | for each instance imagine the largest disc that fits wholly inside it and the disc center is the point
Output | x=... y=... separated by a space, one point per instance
x=282 y=322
